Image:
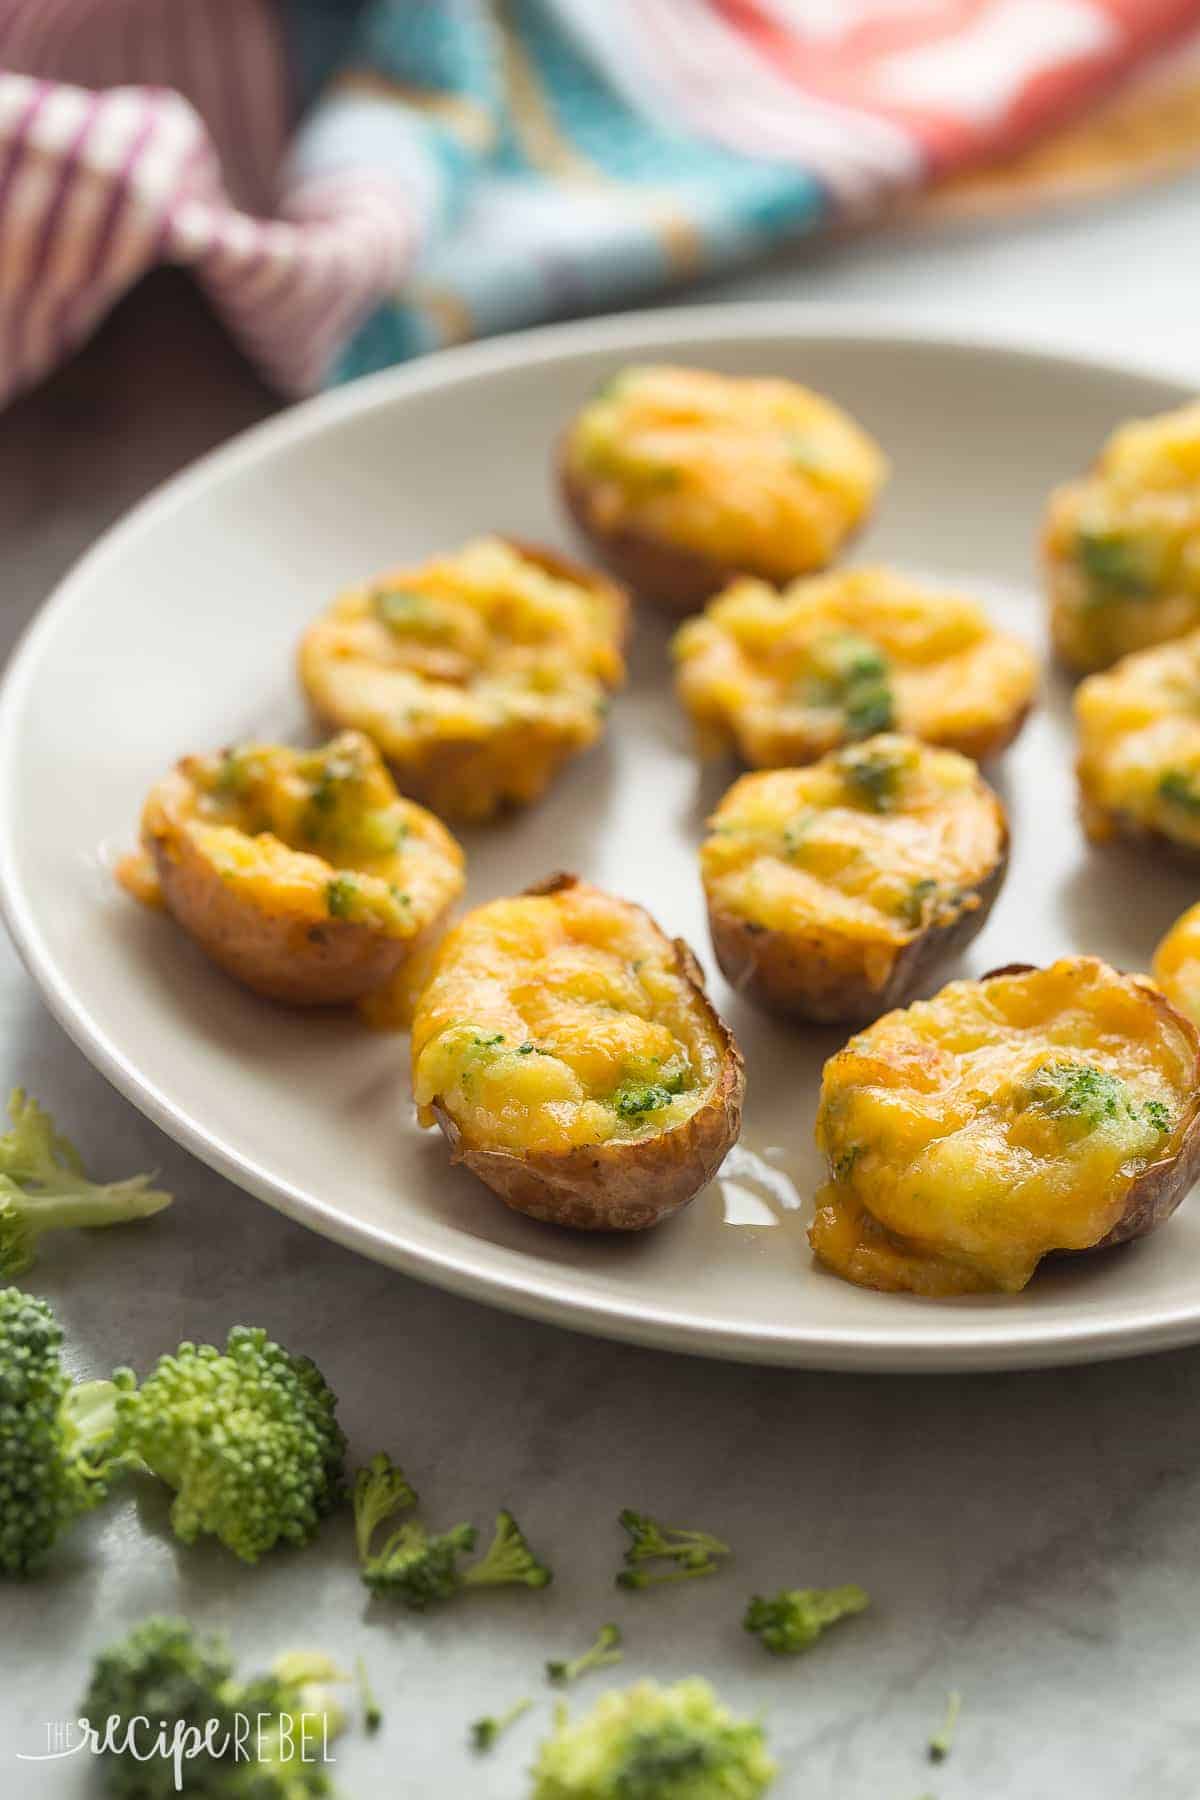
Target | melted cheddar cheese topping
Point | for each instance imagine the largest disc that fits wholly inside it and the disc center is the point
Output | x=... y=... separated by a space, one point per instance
x=1176 y=964
x=1139 y=744
x=758 y=474
x=558 y=1019
x=317 y=834
x=785 y=677
x=476 y=673
x=873 y=844
x=1122 y=545
x=969 y=1135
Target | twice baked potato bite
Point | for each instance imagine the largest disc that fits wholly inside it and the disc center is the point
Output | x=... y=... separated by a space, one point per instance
x=970 y=1135
x=833 y=889
x=1176 y=966
x=682 y=478
x=478 y=673
x=302 y=873
x=781 y=678
x=569 y=1053
x=1139 y=747
x=1122 y=545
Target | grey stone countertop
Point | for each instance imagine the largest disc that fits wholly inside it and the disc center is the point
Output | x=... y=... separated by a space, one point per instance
x=1030 y=1540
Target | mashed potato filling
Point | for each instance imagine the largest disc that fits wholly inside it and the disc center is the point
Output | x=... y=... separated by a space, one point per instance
x=969 y=1135
x=1123 y=544
x=320 y=834
x=475 y=673
x=760 y=474
x=1139 y=744
x=1177 y=964
x=785 y=677
x=875 y=843
x=560 y=1019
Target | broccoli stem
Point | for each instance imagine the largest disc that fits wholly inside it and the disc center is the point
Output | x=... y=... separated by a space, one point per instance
x=484 y=1732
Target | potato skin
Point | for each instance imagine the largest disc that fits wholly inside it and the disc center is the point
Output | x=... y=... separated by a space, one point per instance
x=627 y=1185
x=806 y=976
x=283 y=958
x=1157 y=1192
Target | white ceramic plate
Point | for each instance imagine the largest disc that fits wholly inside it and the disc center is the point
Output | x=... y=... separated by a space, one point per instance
x=177 y=633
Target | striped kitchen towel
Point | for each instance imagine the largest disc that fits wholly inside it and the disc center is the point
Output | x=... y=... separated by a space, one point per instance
x=354 y=181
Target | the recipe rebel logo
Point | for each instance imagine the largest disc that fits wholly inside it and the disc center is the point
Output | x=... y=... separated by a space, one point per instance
x=275 y=1738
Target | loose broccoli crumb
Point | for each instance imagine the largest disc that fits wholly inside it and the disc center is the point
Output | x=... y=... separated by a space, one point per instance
x=380 y=1491
x=690 y=1553
x=652 y=1743
x=57 y=1447
x=794 y=1618
x=484 y=1732
x=942 y=1741
x=1088 y=1097
x=43 y=1187
x=372 y=1712
x=341 y=895
x=874 y=776
x=175 y=1696
x=1181 y=788
x=600 y=1655
x=508 y=1560
x=1114 y=567
x=850 y=673
x=246 y=1436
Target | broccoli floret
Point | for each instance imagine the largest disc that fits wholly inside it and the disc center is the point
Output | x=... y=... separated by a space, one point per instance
x=246 y=1436
x=172 y=1693
x=942 y=1741
x=850 y=673
x=691 y=1553
x=794 y=1619
x=43 y=1187
x=484 y=1732
x=874 y=774
x=1181 y=788
x=508 y=1561
x=380 y=1491
x=57 y=1453
x=417 y=1567
x=1087 y=1097
x=652 y=1743
x=605 y=1651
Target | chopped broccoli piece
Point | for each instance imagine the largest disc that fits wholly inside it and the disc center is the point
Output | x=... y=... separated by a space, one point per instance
x=1181 y=788
x=246 y=1436
x=340 y=896
x=57 y=1449
x=638 y=1097
x=1088 y=1097
x=484 y=1732
x=916 y=900
x=372 y=1712
x=1113 y=565
x=942 y=1741
x=874 y=775
x=653 y=1743
x=850 y=673
x=256 y=1739
x=43 y=1187
x=380 y=1491
x=416 y=1567
x=691 y=1553
x=600 y=1655
x=795 y=1617
x=508 y=1561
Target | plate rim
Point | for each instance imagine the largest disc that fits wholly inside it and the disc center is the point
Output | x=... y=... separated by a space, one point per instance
x=993 y=1342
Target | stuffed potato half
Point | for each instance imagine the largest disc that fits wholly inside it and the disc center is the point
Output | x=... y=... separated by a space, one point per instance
x=1122 y=544
x=478 y=673
x=682 y=478
x=572 y=1059
x=302 y=873
x=1139 y=747
x=781 y=678
x=970 y=1135
x=834 y=889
